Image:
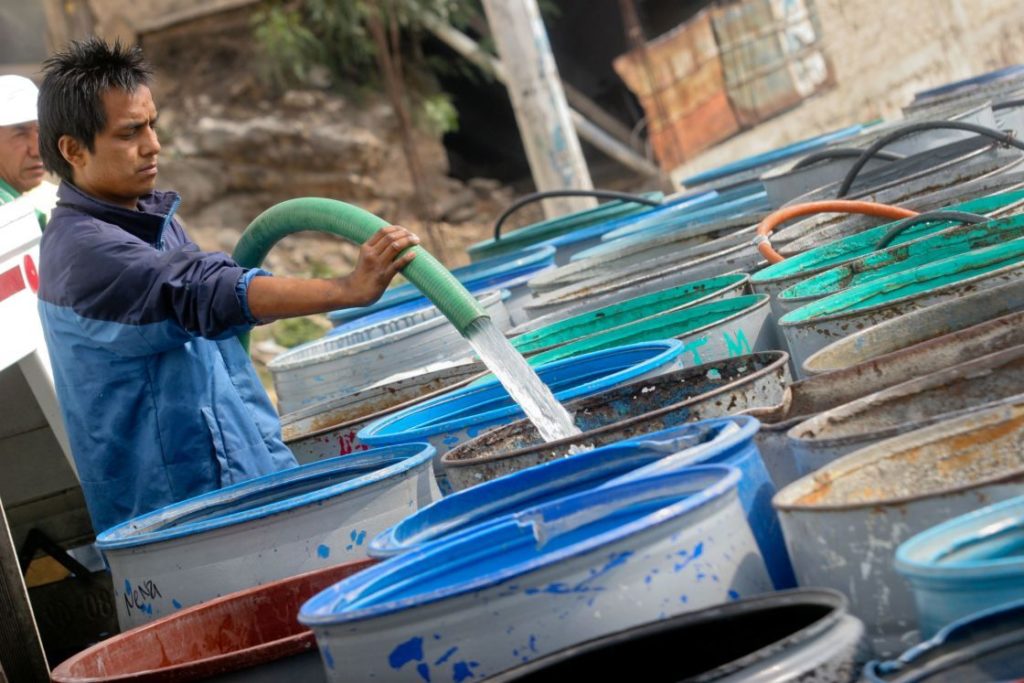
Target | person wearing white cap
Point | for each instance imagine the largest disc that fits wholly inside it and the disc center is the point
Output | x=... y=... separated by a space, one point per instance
x=21 y=168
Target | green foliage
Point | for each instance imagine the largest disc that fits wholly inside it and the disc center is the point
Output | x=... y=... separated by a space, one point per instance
x=318 y=268
x=439 y=114
x=291 y=48
x=298 y=35
x=294 y=331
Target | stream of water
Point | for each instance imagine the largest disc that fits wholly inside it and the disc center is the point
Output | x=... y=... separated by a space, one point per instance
x=550 y=418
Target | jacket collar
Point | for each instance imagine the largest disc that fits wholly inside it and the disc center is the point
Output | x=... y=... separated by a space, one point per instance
x=155 y=211
x=6 y=188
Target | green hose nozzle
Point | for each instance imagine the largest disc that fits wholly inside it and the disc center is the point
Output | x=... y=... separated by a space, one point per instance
x=356 y=225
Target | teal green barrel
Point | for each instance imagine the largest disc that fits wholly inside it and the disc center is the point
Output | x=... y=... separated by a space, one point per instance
x=711 y=331
x=628 y=312
x=879 y=264
x=821 y=322
x=779 y=276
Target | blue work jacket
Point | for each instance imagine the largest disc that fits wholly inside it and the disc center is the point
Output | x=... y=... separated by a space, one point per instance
x=160 y=401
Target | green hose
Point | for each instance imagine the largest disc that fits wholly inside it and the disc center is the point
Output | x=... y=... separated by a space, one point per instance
x=355 y=225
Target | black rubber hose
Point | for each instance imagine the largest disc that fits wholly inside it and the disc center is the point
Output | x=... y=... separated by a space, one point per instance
x=537 y=196
x=998 y=135
x=927 y=217
x=1007 y=104
x=842 y=153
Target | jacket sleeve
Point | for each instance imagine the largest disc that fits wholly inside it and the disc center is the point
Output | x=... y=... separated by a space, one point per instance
x=136 y=300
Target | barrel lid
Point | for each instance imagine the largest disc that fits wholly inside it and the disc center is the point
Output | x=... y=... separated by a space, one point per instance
x=483 y=403
x=516 y=544
x=268 y=495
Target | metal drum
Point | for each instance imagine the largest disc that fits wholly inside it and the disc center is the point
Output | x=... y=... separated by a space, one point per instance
x=844 y=523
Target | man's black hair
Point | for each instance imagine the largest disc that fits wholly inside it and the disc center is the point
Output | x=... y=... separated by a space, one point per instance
x=71 y=96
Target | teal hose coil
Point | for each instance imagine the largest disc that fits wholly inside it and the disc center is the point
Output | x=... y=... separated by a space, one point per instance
x=356 y=225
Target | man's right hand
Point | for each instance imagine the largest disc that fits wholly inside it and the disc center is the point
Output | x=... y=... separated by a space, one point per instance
x=379 y=262
x=380 y=259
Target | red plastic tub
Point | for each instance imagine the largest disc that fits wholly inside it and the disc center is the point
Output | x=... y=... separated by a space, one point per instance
x=252 y=635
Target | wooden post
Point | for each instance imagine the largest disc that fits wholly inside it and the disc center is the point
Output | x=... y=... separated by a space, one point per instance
x=21 y=652
x=590 y=131
x=542 y=113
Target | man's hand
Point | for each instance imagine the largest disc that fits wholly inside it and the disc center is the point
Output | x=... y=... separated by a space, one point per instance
x=379 y=262
x=271 y=298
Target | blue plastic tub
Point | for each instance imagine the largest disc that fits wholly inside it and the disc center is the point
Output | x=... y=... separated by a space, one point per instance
x=723 y=441
x=263 y=529
x=462 y=414
x=542 y=233
x=545 y=578
x=570 y=244
x=748 y=203
x=479 y=277
x=776 y=155
x=965 y=565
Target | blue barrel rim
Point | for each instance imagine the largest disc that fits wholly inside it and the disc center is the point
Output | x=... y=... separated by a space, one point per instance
x=529 y=483
x=987 y=77
x=951 y=634
x=321 y=610
x=729 y=208
x=671 y=206
x=637 y=243
x=661 y=352
x=528 y=257
x=614 y=206
x=299 y=356
x=808 y=144
x=911 y=566
x=123 y=535
x=417 y=305
x=599 y=229
x=748 y=428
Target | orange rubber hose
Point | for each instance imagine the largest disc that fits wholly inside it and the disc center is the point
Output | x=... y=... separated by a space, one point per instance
x=774 y=220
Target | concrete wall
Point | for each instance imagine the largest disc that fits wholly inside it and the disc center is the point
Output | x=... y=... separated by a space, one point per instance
x=883 y=51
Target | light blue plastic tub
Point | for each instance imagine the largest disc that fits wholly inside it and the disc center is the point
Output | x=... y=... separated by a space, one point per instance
x=965 y=565
x=545 y=578
x=723 y=441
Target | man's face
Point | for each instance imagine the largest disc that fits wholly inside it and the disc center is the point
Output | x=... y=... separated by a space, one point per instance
x=123 y=164
x=20 y=164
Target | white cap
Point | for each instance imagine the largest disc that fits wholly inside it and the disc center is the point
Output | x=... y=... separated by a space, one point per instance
x=17 y=100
